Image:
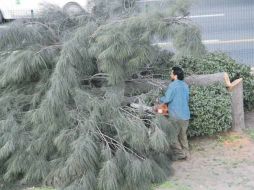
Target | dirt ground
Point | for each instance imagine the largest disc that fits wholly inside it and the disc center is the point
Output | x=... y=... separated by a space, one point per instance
x=224 y=162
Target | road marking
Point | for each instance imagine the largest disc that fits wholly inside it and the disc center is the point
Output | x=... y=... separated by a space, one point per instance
x=3 y=26
x=145 y=1
x=228 y=41
x=205 y=16
x=211 y=42
x=163 y=43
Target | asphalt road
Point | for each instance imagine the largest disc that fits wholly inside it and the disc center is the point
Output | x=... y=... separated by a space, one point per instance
x=3 y=27
x=228 y=26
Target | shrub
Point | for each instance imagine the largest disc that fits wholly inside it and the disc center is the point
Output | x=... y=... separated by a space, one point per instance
x=220 y=62
x=210 y=110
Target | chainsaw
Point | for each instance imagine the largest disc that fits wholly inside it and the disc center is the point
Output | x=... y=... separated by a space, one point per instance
x=160 y=108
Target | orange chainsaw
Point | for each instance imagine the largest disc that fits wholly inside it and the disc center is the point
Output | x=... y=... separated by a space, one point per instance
x=161 y=109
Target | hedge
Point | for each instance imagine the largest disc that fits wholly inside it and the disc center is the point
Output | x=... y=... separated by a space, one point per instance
x=220 y=62
x=210 y=109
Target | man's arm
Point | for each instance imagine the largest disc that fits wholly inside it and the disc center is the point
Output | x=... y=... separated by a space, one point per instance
x=168 y=96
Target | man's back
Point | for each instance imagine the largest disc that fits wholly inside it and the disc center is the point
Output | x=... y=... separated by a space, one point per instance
x=179 y=107
x=177 y=96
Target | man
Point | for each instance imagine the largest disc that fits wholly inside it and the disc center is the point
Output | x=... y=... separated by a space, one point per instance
x=177 y=98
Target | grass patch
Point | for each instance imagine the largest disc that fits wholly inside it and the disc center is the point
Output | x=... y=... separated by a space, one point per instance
x=250 y=133
x=40 y=188
x=168 y=185
x=228 y=138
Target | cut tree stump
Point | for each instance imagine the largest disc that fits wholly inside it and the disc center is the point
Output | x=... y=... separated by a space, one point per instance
x=235 y=88
x=237 y=105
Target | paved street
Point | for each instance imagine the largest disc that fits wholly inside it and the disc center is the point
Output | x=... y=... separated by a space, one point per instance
x=3 y=27
x=228 y=26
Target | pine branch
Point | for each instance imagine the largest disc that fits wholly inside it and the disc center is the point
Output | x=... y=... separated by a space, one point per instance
x=46 y=27
x=57 y=46
x=57 y=125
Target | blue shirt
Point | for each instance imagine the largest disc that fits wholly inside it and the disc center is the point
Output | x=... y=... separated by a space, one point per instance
x=177 y=97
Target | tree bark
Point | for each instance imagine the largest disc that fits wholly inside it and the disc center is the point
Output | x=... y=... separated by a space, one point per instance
x=237 y=105
x=206 y=80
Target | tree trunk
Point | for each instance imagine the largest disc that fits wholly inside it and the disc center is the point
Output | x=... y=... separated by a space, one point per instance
x=206 y=80
x=237 y=106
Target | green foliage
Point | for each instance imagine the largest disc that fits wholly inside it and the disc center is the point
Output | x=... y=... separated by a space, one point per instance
x=232 y=138
x=173 y=185
x=210 y=110
x=208 y=64
x=219 y=62
x=250 y=133
x=62 y=122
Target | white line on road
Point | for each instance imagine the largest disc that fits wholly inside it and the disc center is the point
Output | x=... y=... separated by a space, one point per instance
x=3 y=26
x=212 y=42
x=228 y=41
x=145 y=1
x=163 y=43
x=205 y=16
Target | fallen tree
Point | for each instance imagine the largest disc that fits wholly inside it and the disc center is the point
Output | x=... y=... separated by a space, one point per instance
x=66 y=86
x=60 y=127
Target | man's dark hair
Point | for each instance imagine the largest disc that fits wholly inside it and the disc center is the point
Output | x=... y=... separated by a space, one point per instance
x=179 y=72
